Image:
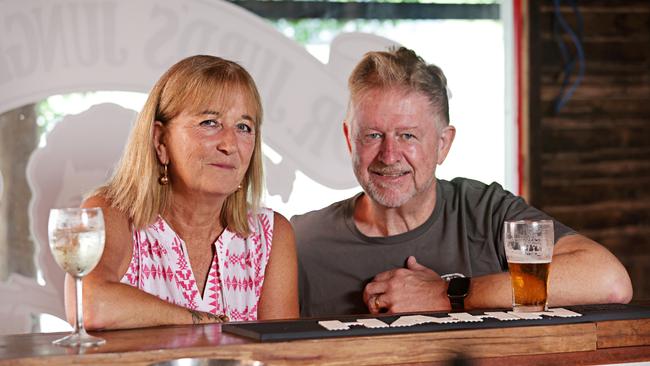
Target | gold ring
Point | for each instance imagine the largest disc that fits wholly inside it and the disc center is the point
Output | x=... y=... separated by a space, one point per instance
x=377 y=302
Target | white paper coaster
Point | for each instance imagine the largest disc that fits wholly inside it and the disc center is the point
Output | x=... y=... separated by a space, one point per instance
x=466 y=317
x=333 y=325
x=372 y=323
x=562 y=313
x=411 y=320
x=500 y=315
x=527 y=316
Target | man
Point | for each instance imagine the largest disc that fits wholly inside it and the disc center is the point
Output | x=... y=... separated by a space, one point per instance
x=386 y=248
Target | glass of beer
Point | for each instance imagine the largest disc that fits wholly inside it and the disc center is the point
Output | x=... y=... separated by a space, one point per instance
x=529 y=249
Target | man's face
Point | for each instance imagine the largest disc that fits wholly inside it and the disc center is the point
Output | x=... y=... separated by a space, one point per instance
x=396 y=142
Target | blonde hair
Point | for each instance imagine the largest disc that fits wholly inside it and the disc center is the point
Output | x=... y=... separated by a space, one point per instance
x=401 y=68
x=192 y=84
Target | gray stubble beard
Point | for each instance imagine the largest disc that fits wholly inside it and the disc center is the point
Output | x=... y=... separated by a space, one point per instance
x=374 y=191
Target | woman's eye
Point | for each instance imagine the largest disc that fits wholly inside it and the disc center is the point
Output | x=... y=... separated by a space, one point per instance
x=209 y=123
x=244 y=127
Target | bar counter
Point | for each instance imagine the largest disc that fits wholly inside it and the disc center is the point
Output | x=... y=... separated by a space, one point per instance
x=602 y=342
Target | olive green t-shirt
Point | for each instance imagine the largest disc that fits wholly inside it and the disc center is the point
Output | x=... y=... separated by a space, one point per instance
x=462 y=235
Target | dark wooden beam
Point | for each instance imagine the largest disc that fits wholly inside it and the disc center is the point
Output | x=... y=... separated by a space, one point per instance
x=367 y=10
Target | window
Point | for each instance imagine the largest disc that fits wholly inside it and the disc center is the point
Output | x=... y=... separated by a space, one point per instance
x=466 y=40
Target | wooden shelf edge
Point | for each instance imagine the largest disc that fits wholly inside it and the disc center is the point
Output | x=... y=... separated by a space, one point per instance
x=623 y=333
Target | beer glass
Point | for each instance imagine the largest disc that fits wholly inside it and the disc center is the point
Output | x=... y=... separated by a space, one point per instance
x=529 y=249
x=77 y=243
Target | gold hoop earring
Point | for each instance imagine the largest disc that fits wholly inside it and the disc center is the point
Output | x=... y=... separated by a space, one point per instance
x=163 y=180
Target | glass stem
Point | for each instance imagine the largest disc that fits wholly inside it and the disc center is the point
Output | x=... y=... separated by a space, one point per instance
x=79 y=324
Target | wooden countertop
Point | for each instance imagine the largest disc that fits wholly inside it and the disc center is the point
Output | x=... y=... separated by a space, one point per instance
x=584 y=343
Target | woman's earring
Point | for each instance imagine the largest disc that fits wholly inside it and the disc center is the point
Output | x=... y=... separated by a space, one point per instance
x=239 y=187
x=163 y=180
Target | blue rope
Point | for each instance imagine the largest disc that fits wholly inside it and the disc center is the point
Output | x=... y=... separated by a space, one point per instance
x=568 y=61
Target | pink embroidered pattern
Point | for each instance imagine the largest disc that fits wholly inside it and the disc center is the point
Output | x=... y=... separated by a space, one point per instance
x=160 y=266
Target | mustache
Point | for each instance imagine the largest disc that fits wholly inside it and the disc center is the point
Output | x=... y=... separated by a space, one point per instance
x=383 y=169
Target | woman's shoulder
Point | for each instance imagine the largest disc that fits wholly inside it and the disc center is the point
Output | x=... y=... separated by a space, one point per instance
x=269 y=214
x=269 y=220
x=97 y=200
x=118 y=247
x=115 y=221
x=262 y=214
x=103 y=202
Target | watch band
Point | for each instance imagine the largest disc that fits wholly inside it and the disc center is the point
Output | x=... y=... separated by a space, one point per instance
x=457 y=302
x=457 y=292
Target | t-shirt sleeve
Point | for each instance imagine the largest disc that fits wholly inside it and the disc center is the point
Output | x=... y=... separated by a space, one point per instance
x=304 y=228
x=302 y=278
x=515 y=208
x=489 y=206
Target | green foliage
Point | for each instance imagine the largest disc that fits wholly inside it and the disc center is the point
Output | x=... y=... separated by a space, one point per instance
x=318 y=31
x=51 y=110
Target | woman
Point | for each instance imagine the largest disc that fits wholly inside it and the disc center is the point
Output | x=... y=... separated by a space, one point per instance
x=186 y=240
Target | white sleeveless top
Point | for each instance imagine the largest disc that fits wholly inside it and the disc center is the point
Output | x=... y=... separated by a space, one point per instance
x=160 y=266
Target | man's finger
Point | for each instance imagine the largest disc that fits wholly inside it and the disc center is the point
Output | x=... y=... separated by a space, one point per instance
x=377 y=303
x=412 y=263
x=374 y=305
x=372 y=289
x=384 y=276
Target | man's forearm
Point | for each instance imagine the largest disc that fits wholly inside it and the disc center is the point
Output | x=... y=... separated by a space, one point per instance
x=584 y=272
x=489 y=292
x=577 y=261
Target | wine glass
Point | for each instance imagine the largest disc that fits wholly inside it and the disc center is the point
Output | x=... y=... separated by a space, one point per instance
x=77 y=242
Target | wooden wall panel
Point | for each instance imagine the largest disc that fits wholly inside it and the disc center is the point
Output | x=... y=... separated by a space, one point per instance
x=593 y=156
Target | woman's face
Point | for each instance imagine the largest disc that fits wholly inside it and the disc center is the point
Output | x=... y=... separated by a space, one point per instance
x=208 y=151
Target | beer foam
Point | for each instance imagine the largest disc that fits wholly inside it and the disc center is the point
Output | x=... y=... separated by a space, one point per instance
x=529 y=261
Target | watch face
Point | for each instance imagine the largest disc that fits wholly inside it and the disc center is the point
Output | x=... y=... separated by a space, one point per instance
x=458 y=286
